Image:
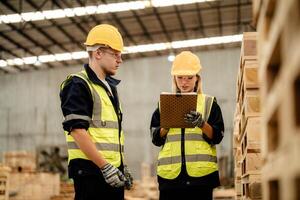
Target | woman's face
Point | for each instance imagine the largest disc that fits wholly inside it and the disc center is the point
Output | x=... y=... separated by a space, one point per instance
x=186 y=83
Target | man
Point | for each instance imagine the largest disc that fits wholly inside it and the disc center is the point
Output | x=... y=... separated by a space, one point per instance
x=93 y=120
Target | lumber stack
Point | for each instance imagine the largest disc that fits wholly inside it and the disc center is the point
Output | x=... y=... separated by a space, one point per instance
x=247 y=132
x=23 y=181
x=279 y=59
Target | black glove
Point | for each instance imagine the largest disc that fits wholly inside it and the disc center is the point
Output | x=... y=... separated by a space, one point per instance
x=129 y=178
x=194 y=118
x=113 y=176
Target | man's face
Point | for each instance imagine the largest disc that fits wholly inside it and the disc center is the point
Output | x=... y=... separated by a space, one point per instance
x=110 y=61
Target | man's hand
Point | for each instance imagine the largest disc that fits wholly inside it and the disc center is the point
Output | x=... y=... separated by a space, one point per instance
x=129 y=178
x=113 y=176
x=194 y=118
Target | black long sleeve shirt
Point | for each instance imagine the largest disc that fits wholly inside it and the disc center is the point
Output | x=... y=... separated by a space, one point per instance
x=215 y=120
x=76 y=98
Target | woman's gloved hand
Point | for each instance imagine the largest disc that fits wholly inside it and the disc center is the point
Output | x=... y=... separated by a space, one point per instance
x=195 y=118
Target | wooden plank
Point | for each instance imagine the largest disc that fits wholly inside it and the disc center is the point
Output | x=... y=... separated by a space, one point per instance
x=251 y=138
x=249 y=45
x=256 y=8
x=251 y=163
x=238 y=187
x=250 y=77
x=250 y=106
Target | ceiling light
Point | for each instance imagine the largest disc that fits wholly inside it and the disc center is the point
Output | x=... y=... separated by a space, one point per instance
x=30 y=60
x=127 y=50
x=171 y=57
x=90 y=10
x=46 y=58
x=3 y=63
x=159 y=3
x=207 y=41
x=52 y=14
x=146 y=48
x=63 y=56
x=79 y=55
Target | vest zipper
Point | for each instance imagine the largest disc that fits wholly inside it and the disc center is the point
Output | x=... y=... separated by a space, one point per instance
x=182 y=147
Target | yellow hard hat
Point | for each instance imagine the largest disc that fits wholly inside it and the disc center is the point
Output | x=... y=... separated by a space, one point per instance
x=186 y=63
x=105 y=34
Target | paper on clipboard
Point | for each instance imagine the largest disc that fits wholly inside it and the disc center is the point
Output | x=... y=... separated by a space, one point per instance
x=173 y=107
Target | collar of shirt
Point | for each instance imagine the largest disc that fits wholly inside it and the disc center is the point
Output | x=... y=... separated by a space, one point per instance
x=93 y=77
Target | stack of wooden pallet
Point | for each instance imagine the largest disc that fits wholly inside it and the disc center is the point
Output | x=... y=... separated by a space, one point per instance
x=279 y=59
x=4 y=182
x=27 y=183
x=246 y=139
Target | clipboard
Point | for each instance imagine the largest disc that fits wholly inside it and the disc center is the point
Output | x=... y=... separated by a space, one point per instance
x=173 y=107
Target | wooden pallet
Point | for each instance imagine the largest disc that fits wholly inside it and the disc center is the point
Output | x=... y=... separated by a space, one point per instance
x=248 y=106
x=281 y=108
x=281 y=174
x=277 y=38
x=279 y=72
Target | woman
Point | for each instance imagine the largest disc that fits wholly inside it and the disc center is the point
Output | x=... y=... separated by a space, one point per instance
x=187 y=162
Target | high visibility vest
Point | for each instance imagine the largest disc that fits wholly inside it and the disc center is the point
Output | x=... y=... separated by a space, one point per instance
x=104 y=126
x=200 y=157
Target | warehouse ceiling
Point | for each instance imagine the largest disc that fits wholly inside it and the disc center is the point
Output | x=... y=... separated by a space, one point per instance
x=149 y=25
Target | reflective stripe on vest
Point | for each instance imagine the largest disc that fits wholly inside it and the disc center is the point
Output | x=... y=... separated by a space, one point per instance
x=200 y=157
x=102 y=146
x=103 y=129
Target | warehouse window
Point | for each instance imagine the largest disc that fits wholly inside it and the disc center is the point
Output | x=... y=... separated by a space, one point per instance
x=274 y=190
x=273 y=133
